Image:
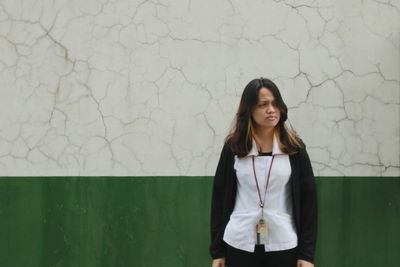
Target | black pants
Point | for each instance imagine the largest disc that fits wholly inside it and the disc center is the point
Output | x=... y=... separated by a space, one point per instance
x=261 y=258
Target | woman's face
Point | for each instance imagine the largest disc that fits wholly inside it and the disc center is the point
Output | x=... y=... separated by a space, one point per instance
x=266 y=114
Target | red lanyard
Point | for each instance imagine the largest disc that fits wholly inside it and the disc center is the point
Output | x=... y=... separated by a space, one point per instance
x=266 y=186
x=262 y=202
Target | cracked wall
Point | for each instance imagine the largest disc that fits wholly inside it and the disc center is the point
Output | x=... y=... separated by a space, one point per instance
x=118 y=87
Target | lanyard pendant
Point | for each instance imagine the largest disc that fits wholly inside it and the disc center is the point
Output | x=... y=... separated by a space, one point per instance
x=261 y=227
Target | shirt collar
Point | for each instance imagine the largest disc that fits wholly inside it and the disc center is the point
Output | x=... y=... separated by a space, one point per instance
x=275 y=148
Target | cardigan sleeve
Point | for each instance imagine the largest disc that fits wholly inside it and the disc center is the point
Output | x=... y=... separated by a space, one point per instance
x=308 y=209
x=218 y=246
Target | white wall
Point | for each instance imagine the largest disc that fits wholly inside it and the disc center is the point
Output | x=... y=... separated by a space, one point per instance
x=123 y=87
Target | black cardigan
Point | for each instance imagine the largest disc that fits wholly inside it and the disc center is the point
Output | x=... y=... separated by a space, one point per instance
x=304 y=202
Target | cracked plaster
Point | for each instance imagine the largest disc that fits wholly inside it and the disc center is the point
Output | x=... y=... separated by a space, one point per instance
x=151 y=87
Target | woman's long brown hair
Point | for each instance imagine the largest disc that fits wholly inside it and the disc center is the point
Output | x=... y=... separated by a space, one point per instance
x=240 y=137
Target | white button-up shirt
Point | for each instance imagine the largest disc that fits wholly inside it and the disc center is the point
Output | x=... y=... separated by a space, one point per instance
x=240 y=232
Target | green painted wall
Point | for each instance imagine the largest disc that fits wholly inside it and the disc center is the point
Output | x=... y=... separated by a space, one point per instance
x=164 y=221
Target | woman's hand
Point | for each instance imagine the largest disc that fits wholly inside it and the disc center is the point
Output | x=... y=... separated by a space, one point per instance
x=218 y=262
x=303 y=263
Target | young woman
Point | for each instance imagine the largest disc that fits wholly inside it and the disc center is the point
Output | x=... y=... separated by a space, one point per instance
x=264 y=200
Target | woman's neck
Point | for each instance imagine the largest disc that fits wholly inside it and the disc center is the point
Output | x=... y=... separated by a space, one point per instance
x=265 y=134
x=264 y=139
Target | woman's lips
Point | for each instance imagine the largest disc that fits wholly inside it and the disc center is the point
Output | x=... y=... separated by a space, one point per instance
x=271 y=118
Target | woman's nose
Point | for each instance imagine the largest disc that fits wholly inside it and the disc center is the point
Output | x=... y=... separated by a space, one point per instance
x=270 y=109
